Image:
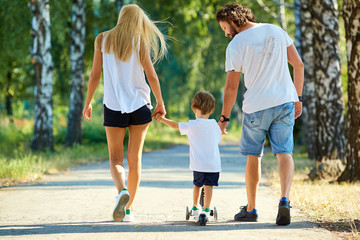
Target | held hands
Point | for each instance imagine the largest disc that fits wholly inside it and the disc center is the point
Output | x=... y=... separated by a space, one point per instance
x=159 y=112
x=223 y=126
x=87 y=112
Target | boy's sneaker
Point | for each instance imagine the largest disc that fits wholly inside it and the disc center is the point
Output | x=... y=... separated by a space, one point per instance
x=245 y=216
x=207 y=212
x=129 y=216
x=121 y=200
x=195 y=211
x=283 y=217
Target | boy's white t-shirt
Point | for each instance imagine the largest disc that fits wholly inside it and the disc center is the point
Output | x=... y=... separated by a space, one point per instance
x=204 y=136
x=260 y=52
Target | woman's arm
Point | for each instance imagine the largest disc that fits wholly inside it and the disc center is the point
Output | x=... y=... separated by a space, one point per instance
x=93 y=79
x=154 y=85
x=298 y=72
x=169 y=122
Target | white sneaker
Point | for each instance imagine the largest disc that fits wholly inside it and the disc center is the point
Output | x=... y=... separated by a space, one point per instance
x=129 y=216
x=195 y=211
x=207 y=213
x=121 y=200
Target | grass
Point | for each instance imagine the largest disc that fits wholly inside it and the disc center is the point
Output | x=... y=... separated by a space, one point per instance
x=334 y=206
x=18 y=163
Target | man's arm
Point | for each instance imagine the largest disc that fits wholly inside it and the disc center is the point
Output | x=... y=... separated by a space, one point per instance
x=298 y=72
x=169 y=122
x=230 y=93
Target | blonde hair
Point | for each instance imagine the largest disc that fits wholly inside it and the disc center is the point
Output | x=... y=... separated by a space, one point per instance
x=133 y=25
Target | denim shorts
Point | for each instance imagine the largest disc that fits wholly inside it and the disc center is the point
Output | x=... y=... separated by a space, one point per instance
x=118 y=119
x=278 y=122
x=206 y=178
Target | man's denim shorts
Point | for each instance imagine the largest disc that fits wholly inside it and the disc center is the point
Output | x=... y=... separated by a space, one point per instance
x=278 y=122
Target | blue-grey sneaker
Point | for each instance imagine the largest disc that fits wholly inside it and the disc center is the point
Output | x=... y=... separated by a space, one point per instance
x=283 y=217
x=245 y=216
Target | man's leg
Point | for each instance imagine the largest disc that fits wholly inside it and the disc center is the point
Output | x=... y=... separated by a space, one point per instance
x=252 y=178
x=286 y=172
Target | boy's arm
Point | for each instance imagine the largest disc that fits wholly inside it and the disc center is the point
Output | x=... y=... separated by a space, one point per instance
x=169 y=122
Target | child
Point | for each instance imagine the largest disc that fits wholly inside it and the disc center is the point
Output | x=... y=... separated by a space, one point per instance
x=204 y=135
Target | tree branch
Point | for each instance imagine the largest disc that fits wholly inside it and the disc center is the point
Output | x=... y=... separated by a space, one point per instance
x=268 y=10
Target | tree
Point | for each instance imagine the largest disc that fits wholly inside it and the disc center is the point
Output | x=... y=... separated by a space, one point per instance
x=351 y=15
x=42 y=62
x=307 y=53
x=15 y=41
x=119 y=4
x=329 y=106
x=77 y=49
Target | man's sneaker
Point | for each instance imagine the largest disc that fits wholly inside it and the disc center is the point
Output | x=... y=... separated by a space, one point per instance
x=283 y=217
x=245 y=216
x=207 y=212
x=129 y=216
x=121 y=200
x=195 y=211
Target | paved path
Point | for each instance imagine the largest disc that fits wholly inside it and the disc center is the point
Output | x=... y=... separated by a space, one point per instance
x=79 y=203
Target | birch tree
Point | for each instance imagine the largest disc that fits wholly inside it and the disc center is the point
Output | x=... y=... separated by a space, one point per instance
x=77 y=49
x=329 y=104
x=351 y=15
x=42 y=62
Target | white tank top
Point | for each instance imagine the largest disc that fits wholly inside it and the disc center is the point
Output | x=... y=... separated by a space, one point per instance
x=125 y=87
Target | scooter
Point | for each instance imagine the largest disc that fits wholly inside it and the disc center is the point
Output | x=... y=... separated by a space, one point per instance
x=201 y=218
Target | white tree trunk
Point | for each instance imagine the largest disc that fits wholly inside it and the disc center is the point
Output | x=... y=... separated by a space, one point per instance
x=77 y=49
x=329 y=104
x=42 y=61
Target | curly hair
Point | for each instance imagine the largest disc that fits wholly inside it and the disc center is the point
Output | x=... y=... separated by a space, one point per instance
x=235 y=13
x=204 y=101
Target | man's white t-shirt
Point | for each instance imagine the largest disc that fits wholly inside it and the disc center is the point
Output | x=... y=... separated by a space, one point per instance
x=204 y=136
x=260 y=52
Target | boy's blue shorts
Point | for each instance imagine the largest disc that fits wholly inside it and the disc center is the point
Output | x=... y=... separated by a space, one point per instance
x=206 y=178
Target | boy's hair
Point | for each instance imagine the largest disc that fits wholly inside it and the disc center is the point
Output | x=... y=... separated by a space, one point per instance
x=235 y=13
x=204 y=101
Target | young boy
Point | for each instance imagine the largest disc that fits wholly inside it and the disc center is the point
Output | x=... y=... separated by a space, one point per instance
x=204 y=135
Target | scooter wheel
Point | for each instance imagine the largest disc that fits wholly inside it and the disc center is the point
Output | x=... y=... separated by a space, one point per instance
x=187 y=213
x=202 y=219
x=215 y=214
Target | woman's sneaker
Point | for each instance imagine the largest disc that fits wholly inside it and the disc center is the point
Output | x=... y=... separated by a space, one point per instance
x=245 y=216
x=195 y=211
x=121 y=200
x=129 y=216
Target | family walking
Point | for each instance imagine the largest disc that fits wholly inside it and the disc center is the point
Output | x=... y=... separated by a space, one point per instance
x=271 y=103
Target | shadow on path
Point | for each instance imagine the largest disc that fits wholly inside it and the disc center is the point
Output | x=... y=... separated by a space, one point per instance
x=110 y=226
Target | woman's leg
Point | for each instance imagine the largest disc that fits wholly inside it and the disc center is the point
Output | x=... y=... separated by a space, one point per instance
x=137 y=135
x=115 y=138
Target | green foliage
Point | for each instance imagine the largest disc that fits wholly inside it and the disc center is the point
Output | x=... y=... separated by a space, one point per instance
x=195 y=62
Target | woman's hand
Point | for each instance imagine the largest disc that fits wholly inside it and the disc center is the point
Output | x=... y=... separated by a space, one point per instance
x=87 y=112
x=159 y=112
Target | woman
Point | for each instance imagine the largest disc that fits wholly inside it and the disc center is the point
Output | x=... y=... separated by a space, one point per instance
x=124 y=55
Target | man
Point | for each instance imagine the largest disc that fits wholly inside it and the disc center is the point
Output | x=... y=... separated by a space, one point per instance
x=271 y=103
